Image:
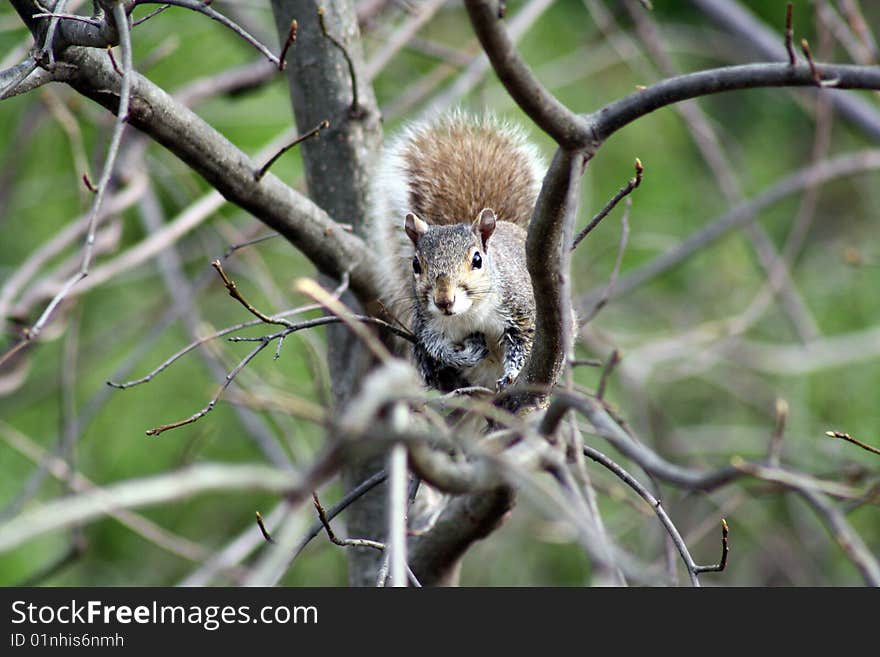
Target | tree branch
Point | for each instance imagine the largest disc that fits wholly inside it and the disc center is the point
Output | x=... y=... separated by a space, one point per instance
x=230 y=171
x=554 y=118
x=620 y=113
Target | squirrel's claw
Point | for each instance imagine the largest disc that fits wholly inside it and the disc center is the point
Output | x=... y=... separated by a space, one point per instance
x=505 y=381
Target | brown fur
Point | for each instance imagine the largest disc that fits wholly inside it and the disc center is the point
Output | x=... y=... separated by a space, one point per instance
x=457 y=169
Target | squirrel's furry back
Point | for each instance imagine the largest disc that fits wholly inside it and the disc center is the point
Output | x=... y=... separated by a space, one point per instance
x=446 y=170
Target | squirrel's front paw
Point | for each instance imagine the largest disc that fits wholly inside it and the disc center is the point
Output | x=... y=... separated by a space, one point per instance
x=473 y=350
x=506 y=380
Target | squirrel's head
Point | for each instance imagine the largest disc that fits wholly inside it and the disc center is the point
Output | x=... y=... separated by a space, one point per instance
x=450 y=266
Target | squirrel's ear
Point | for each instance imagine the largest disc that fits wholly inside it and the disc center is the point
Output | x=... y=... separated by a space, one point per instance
x=415 y=227
x=484 y=226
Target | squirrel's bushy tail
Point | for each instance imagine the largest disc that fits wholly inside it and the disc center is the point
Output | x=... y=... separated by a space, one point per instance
x=446 y=170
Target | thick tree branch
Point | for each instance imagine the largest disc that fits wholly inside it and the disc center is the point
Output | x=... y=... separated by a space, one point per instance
x=732 y=17
x=229 y=170
x=554 y=118
x=620 y=113
x=547 y=257
x=467 y=519
x=134 y=493
x=70 y=32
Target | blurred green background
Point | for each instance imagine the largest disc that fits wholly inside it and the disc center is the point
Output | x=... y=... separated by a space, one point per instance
x=702 y=417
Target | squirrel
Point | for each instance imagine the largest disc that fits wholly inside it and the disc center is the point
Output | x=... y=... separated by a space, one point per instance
x=452 y=200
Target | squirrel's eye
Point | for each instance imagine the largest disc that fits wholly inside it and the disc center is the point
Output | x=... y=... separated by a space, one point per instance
x=477 y=262
x=417 y=268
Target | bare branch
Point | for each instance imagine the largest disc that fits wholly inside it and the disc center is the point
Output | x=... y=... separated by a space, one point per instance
x=615 y=272
x=34 y=331
x=623 y=192
x=731 y=16
x=200 y=341
x=203 y=8
x=397 y=507
x=815 y=174
x=355 y=110
x=725 y=550
x=547 y=256
x=620 y=113
x=263 y=530
x=789 y=36
x=235 y=294
x=646 y=458
x=645 y=494
x=288 y=42
x=133 y=493
x=299 y=220
x=566 y=127
x=348 y=499
x=22 y=78
x=774 y=451
x=854 y=441
x=610 y=364
x=343 y=542
x=314 y=132
x=852 y=544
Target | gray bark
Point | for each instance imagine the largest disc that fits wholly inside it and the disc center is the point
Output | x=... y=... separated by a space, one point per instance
x=337 y=166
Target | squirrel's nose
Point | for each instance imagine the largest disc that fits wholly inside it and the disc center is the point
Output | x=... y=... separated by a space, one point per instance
x=444 y=303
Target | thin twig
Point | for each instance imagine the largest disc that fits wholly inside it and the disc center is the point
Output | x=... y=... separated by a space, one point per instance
x=348 y=319
x=148 y=16
x=854 y=441
x=195 y=343
x=609 y=289
x=847 y=538
x=315 y=292
x=610 y=364
x=343 y=286
x=666 y=521
x=113 y=60
x=774 y=451
x=355 y=110
x=623 y=192
x=291 y=39
x=69 y=17
x=314 y=132
x=235 y=294
x=34 y=331
x=817 y=76
x=321 y=321
x=263 y=530
x=49 y=41
x=203 y=8
x=88 y=183
x=262 y=238
x=743 y=214
x=347 y=500
x=210 y=406
x=789 y=35
x=343 y=542
x=725 y=549
x=796 y=480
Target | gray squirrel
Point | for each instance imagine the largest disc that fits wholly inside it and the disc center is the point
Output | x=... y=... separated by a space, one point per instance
x=452 y=199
